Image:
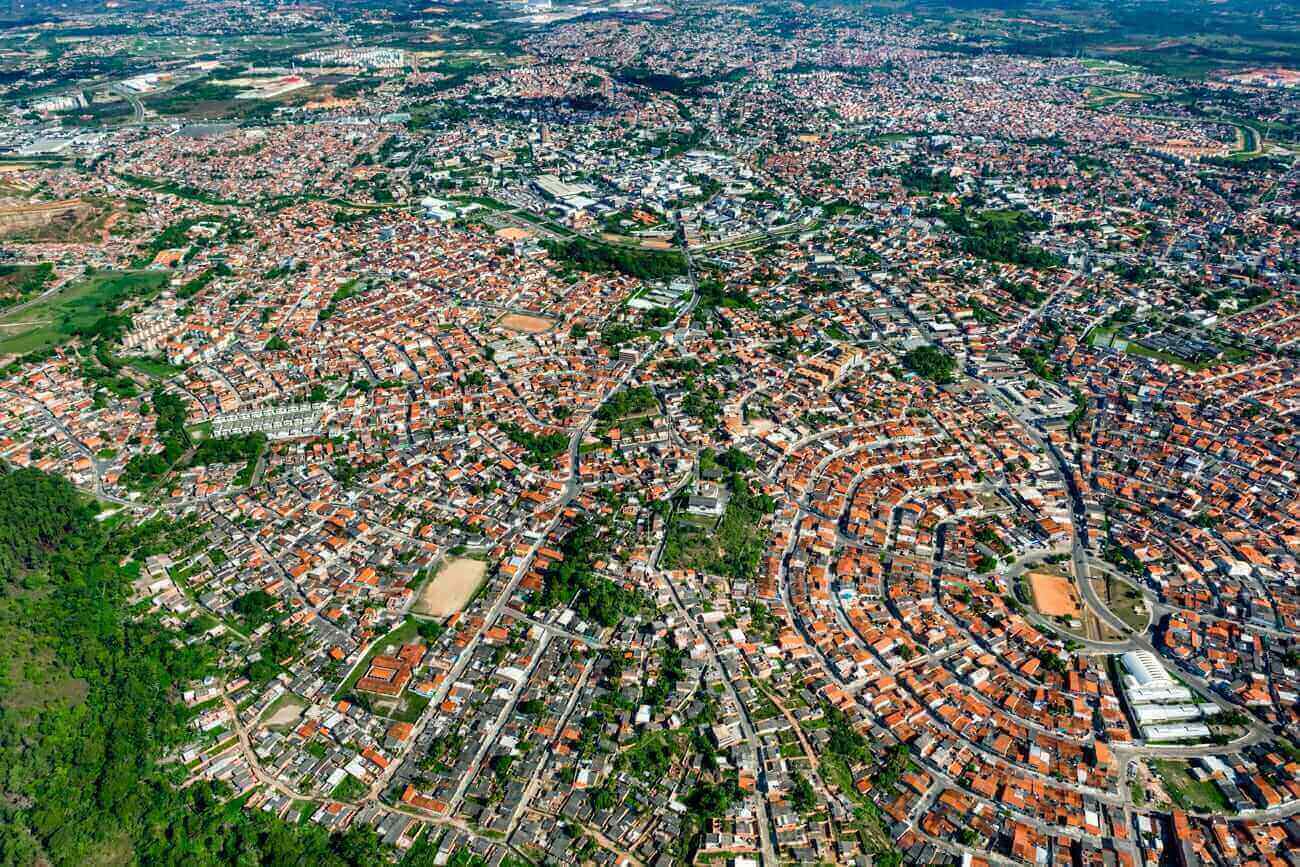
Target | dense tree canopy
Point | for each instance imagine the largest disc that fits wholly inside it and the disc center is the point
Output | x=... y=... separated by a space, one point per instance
x=932 y=363
x=81 y=781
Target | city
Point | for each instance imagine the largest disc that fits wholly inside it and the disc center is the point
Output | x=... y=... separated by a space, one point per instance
x=650 y=432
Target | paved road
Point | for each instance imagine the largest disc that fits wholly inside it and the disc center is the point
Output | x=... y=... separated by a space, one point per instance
x=1080 y=566
x=494 y=732
x=746 y=724
x=137 y=107
x=530 y=788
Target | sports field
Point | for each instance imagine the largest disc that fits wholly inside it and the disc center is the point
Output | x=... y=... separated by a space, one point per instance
x=525 y=323
x=457 y=581
x=1054 y=595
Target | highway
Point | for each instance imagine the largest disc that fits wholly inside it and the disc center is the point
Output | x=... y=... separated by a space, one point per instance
x=137 y=107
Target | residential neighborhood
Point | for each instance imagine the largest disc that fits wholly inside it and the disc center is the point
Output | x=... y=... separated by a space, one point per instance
x=659 y=433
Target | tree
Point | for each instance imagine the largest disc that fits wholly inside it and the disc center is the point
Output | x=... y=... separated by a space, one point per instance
x=82 y=783
x=802 y=796
x=255 y=607
x=932 y=363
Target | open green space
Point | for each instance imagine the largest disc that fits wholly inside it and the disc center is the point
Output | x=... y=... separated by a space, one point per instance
x=998 y=236
x=1185 y=791
x=156 y=368
x=77 y=309
x=581 y=254
x=21 y=282
x=1123 y=601
x=1107 y=337
x=542 y=449
x=574 y=581
x=734 y=548
x=1099 y=97
x=412 y=706
x=173 y=188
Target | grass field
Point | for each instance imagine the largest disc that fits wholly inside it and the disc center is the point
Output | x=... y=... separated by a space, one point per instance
x=412 y=706
x=1099 y=97
x=154 y=367
x=18 y=283
x=1187 y=792
x=1108 y=338
x=76 y=307
x=174 y=189
x=1123 y=600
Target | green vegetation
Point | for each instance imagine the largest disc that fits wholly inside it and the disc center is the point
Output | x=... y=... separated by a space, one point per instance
x=629 y=404
x=932 y=363
x=350 y=289
x=924 y=180
x=732 y=460
x=256 y=608
x=278 y=645
x=20 y=282
x=195 y=285
x=1038 y=363
x=348 y=789
x=670 y=673
x=145 y=470
x=674 y=84
x=802 y=796
x=401 y=634
x=735 y=548
x=347 y=472
x=617 y=334
x=155 y=368
x=708 y=800
x=713 y=293
x=1186 y=792
x=845 y=741
x=83 y=784
x=574 y=582
x=173 y=237
x=542 y=449
x=229 y=450
x=997 y=236
x=87 y=309
x=208 y=99
x=982 y=314
x=579 y=254
x=175 y=189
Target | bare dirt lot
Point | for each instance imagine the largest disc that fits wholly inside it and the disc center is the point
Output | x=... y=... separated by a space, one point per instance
x=1054 y=595
x=67 y=221
x=525 y=323
x=284 y=712
x=457 y=581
